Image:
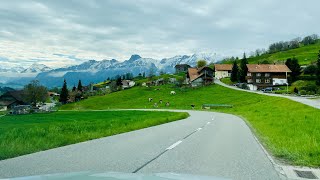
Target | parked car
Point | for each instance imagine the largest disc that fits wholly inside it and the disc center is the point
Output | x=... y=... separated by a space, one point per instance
x=268 y=89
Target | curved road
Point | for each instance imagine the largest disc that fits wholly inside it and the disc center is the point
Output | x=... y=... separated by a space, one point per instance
x=206 y=143
x=310 y=102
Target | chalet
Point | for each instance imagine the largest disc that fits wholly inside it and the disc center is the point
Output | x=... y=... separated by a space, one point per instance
x=127 y=84
x=182 y=68
x=10 y=99
x=222 y=70
x=266 y=75
x=199 y=76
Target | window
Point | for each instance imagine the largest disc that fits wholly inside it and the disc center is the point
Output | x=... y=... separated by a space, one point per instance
x=267 y=81
x=267 y=74
x=258 y=80
x=258 y=74
x=248 y=74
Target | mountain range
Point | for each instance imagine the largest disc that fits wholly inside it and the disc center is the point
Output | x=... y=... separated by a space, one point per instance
x=97 y=71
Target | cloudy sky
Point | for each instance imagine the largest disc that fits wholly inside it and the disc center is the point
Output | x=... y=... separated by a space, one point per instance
x=64 y=32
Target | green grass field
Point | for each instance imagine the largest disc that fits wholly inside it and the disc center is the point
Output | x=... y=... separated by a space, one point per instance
x=289 y=130
x=305 y=54
x=24 y=134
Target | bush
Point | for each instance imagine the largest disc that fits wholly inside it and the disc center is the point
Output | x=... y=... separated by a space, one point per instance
x=303 y=92
x=312 y=88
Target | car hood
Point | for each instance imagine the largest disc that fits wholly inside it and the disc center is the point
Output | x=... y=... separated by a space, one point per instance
x=119 y=176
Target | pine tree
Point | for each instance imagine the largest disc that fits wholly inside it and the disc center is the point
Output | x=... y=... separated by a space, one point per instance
x=64 y=93
x=234 y=72
x=294 y=66
x=318 y=70
x=243 y=68
x=79 y=86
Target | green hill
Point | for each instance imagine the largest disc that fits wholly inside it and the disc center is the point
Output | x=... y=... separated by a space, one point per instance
x=290 y=130
x=305 y=54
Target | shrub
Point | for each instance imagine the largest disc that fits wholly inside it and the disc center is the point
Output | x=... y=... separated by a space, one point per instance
x=303 y=92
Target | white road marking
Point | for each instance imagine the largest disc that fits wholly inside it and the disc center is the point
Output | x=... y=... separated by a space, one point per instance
x=213 y=118
x=174 y=145
x=208 y=122
x=198 y=129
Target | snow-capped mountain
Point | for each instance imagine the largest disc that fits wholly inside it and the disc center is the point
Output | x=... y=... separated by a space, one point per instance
x=36 y=68
x=19 y=75
x=97 y=71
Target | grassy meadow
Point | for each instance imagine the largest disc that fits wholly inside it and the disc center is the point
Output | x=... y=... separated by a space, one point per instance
x=305 y=54
x=289 y=130
x=24 y=134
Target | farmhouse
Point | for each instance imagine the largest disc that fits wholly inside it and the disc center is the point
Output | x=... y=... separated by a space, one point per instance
x=10 y=99
x=266 y=75
x=182 y=68
x=222 y=70
x=199 y=76
x=127 y=84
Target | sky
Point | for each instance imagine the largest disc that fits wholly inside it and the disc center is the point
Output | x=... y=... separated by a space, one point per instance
x=58 y=33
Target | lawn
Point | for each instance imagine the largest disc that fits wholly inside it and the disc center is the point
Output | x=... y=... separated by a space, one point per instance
x=24 y=134
x=305 y=54
x=289 y=130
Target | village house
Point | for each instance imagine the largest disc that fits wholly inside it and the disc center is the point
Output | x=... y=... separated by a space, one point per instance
x=10 y=99
x=127 y=84
x=265 y=75
x=199 y=76
x=182 y=68
x=222 y=70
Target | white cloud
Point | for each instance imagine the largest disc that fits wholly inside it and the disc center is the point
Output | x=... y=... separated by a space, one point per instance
x=33 y=31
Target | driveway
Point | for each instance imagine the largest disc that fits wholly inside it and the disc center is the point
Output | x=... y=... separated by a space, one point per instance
x=310 y=102
x=206 y=143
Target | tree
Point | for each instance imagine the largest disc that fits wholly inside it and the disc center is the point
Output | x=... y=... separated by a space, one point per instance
x=64 y=93
x=34 y=93
x=119 y=81
x=294 y=66
x=74 y=88
x=201 y=63
x=243 y=68
x=113 y=86
x=265 y=62
x=79 y=86
x=311 y=70
x=143 y=74
x=234 y=72
x=318 y=70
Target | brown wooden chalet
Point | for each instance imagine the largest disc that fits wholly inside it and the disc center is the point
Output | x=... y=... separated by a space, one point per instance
x=266 y=75
x=199 y=76
x=11 y=98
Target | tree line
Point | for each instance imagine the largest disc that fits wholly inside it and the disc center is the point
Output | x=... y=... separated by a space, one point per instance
x=281 y=46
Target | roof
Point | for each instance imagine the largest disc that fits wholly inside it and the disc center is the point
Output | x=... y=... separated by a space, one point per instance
x=193 y=73
x=18 y=95
x=179 y=65
x=6 y=103
x=267 y=68
x=223 y=67
x=204 y=67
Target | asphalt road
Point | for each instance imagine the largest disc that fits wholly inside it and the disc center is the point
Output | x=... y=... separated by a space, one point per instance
x=304 y=100
x=206 y=143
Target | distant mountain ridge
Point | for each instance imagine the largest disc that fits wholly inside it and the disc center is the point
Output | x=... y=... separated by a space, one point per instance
x=97 y=71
